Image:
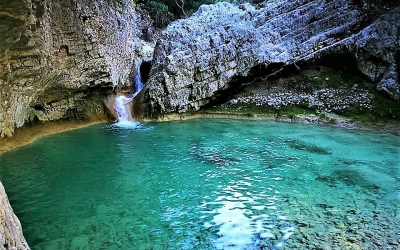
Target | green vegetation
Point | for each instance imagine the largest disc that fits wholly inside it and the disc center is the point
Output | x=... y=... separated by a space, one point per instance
x=382 y=110
x=158 y=11
x=163 y=12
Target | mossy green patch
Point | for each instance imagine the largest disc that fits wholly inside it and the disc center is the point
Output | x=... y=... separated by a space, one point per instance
x=383 y=110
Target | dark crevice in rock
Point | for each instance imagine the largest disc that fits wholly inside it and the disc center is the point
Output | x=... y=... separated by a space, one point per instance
x=144 y=69
x=84 y=18
x=222 y=96
x=39 y=107
x=191 y=96
x=257 y=73
x=34 y=120
x=64 y=50
x=264 y=70
x=398 y=65
x=313 y=19
x=373 y=9
x=343 y=61
x=39 y=8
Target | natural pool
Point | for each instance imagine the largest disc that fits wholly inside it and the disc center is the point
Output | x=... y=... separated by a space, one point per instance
x=207 y=184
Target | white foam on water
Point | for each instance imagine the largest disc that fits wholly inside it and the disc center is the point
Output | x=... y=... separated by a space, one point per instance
x=128 y=124
x=122 y=108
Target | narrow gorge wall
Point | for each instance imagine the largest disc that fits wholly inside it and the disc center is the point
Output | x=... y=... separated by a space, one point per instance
x=11 y=236
x=199 y=57
x=59 y=59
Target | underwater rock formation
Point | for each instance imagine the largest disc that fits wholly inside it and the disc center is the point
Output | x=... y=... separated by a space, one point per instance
x=220 y=45
x=11 y=236
x=59 y=59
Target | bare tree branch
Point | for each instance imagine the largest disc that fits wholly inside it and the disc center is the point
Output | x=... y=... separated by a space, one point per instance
x=181 y=6
x=297 y=67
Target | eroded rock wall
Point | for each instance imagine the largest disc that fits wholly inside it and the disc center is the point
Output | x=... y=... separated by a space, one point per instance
x=376 y=49
x=198 y=57
x=59 y=59
x=11 y=236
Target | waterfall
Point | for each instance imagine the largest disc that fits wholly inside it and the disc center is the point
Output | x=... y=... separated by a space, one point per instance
x=138 y=84
x=121 y=106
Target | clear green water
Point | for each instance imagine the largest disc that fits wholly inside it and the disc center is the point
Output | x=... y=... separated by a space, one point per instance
x=206 y=184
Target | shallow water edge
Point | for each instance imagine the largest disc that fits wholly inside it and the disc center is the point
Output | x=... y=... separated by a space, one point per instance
x=330 y=120
x=27 y=135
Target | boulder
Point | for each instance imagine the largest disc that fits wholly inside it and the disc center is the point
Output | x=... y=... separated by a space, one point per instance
x=376 y=49
x=11 y=236
x=197 y=58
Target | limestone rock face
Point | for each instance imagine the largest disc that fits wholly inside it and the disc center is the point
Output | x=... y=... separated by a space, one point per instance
x=198 y=57
x=59 y=59
x=377 y=51
x=11 y=236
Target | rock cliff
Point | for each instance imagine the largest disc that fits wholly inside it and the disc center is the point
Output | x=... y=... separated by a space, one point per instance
x=221 y=46
x=59 y=59
x=11 y=236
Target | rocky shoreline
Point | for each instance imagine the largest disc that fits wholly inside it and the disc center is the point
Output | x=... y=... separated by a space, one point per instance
x=330 y=120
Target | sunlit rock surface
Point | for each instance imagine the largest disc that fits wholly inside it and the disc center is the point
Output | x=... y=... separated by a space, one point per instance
x=198 y=57
x=11 y=236
x=58 y=59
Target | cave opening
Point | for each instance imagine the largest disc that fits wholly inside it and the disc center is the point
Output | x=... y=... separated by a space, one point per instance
x=144 y=70
x=39 y=107
x=259 y=73
x=344 y=62
x=140 y=80
x=267 y=76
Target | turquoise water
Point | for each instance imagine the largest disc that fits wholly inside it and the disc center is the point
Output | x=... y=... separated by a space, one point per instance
x=207 y=184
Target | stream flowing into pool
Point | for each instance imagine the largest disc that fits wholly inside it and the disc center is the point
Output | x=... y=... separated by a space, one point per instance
x=207 y=184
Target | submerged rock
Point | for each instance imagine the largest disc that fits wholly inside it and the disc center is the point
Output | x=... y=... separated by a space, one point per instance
x=222 y=45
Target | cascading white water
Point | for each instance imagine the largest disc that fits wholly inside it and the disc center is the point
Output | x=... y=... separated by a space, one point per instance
x=121 y=106
x=121 y=109
x=138 y=84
